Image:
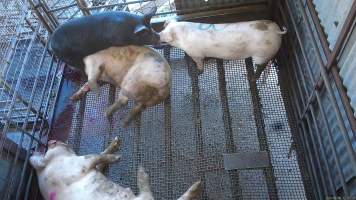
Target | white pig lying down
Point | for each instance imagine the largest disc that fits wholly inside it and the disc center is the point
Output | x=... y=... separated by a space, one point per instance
x=62 y=175
x=142 y=73
x=260 y=40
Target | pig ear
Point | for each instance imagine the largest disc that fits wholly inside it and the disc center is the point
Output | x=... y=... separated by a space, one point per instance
x=140 y=29
x=147 y=17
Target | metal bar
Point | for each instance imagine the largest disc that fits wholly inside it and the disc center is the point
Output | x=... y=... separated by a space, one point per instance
x=319 y=29
x=294 y=111
x=107 y=140
x=338 y=162
x=199 y=140
x=331 y=56
x=137 y=140
x=37 y=115
x=63 y=7
x=18 y=96
x=83 y=6
x=118 y=4
x=344 y=98
x=9 y=146
x=12 y=104
x=324 y=75
x=298 y=67
x=339 y=170
x=168 y=133
x=40 y=17
x=309 y=157
x=50 y=15
x=79 y=116
x=74 y=14
x=17 y=87
x=262 y=137
x=316 y=155
x=346 y=28
x=229 y=135
x=321 y=108
x=29 y=180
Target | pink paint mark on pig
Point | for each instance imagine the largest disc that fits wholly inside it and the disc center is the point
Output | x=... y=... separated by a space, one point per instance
x=52 y=196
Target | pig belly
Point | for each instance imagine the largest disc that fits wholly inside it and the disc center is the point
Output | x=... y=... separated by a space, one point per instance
x=93 y=186
x=226 y=53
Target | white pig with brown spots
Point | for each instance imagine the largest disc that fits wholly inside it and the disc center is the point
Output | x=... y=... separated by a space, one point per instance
x=260 y=40
x=142 y=73
x=63 y=175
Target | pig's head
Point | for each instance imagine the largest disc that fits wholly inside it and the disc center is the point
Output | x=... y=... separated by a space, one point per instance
x=39 y=160
x=169 y=33
x=144 y=33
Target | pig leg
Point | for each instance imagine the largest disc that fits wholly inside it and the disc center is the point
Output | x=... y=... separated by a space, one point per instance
x=193 y=192
x=259 y=70
x=81 y=92
x=200 y=64
x=121 y=102
x=138 y=108
x=112 y=148
x=94 y=72
x=94 y=160
x=143 y=185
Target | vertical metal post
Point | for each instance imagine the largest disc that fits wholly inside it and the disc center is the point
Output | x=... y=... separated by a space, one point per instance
x=331 y=94
x=110 y=124
x=311 y=163
x=286 y=78
x=261 y=132
x=137 y=140
x=320 y=141
x=192 y=70
x=168 y=134
x=17 y=87
x=79 y=116
x=229 y=136
x=316 y=156
x=83 y=7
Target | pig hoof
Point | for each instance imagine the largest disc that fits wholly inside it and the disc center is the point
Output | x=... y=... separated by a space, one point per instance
x=108 y=114
x=125 y=124
x=196 y=189
x=200 y=71
x=75 y=97
x=116 y=143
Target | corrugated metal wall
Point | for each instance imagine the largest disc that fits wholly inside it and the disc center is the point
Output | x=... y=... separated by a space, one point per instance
x=325 y=135
x=332 y=15
x=347 y=64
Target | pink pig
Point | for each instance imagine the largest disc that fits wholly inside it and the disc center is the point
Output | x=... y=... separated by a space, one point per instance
x=63 y=175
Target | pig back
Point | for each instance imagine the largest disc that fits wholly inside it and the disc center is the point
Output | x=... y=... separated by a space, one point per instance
x=80 y=37
x=232 y=41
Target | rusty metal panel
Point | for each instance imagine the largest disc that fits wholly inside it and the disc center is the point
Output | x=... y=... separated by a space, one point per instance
x=332 y=15
x=347 y=65
x=184 y=6
x=246 y=160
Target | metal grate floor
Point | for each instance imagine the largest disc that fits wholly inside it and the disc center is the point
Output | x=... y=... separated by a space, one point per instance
x=184 y=139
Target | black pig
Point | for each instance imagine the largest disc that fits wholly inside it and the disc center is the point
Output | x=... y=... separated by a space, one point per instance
x=78 y=38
